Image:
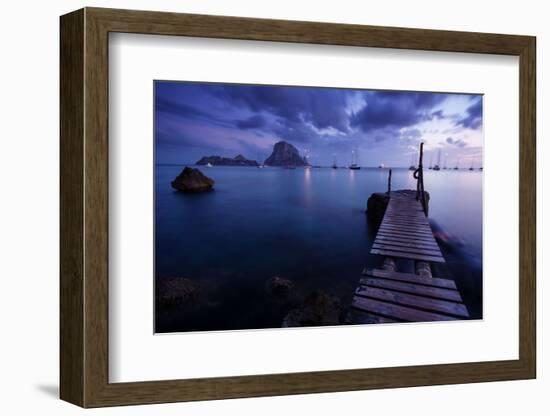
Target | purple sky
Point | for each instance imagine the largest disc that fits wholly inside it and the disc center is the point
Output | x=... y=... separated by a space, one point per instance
x=203 y=119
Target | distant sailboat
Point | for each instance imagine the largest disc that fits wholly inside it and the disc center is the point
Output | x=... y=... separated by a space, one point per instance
x=471 y=166
x=457 y=162
x=381 y=166
x=436 y=167
x=209 y=165
x=412 y=166
x=261 y=164
x=430 y=167
x=334 y=165
x=354 y=165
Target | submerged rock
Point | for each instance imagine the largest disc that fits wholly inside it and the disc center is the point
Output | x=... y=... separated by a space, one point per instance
x=192 y=180
x=284 y=154
x=376 y=207
x=318 y=309
x=172 y=291
x=278 y=287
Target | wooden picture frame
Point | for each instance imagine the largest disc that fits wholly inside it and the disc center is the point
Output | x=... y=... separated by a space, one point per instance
x=84 y=207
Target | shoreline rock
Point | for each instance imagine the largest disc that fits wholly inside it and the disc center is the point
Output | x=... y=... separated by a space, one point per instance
x=278 y=287
x=174 y=291
x=318 y=309
x=193 y=181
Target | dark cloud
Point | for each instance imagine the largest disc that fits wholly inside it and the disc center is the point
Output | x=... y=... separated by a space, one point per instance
x=456 y=142
x=437 y=114
x=322 y=108
x=383 y=134
x=474 y=116
x=168 y=106
x=174 y=108
x=252 y=122
x=395 y=110
x=293 y=131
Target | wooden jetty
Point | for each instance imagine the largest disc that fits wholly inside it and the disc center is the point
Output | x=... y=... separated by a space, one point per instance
x=386 y=295
x=405 y=232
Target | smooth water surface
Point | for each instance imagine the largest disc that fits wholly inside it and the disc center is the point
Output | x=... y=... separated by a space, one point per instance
x=307 y=225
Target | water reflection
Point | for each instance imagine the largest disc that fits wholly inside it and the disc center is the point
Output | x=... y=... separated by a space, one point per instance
x=351 y=176
x=307 y=186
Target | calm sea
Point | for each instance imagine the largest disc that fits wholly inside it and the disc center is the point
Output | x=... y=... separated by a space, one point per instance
x=306 y=225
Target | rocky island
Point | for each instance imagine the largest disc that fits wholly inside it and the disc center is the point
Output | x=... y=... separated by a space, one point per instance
x=238 y=160
x=192 y=180
x=284 y=154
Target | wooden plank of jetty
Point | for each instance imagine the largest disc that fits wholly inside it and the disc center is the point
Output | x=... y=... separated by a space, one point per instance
x=420 y=302
x=386 y=296
x=411 y=256
x=390 y=237
x=428 y=251
x=411 y=278
x=357 y=316
x=406 y=233
x=412 y=288
x=411 y=244
x=402 y=313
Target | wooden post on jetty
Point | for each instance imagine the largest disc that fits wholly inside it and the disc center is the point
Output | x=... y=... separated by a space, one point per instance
x=389 y=262
x=419 y=176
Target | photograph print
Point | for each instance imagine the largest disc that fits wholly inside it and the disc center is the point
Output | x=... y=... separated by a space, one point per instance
x=302 y=206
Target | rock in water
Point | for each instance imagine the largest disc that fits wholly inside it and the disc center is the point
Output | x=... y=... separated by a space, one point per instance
x=192 y=180
x=173 y=291
x=278 y=287
x=376 y=207
x=284 y=154
x=318 y=309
